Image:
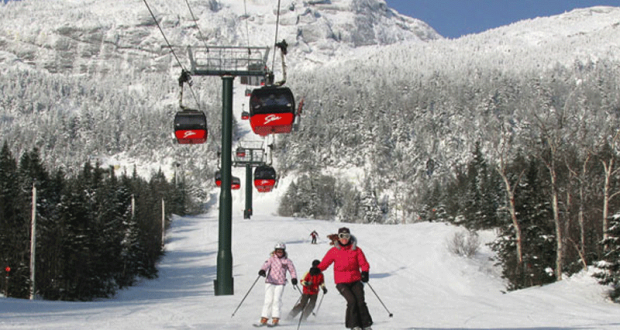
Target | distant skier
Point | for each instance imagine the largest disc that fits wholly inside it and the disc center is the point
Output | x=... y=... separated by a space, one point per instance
x=348 y=260
x=314 y=236
x=276 y=266
x=312 y=281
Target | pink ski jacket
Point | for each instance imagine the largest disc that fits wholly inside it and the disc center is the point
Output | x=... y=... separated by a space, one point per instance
x=276 y=269
x=348 y=261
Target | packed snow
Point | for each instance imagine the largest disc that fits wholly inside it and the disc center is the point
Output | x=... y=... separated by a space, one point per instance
x=412 y=271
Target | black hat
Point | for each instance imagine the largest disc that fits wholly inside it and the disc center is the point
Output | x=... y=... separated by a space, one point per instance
x=344 y=230
x=315 y=263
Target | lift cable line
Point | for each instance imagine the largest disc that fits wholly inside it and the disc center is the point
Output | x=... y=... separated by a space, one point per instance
x=170 y=47
x=273 y=64
x=162 y=33
x=202 y=37
x=247 y=30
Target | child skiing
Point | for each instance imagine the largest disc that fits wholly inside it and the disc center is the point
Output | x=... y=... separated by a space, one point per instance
x=312 y=281
x=274 y=269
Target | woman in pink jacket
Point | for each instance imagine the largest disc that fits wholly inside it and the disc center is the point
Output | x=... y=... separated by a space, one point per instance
x=350 y=270
x=274 y=269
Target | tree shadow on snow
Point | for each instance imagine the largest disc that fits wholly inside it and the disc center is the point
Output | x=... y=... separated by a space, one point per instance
x=587 y=327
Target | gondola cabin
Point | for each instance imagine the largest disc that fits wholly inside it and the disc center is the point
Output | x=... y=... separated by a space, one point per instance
x=236 y=183
x=240 y=152
x=245 y=115
x=218 y=178
x=190 y=127
x=272 y=110
x=264 y=178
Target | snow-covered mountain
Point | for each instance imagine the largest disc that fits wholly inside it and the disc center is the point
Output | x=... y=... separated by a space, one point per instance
x=578 y=36
x=109 y=36
x=116 y=74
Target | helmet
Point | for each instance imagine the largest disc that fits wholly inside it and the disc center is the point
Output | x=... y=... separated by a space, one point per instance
x=280 y=246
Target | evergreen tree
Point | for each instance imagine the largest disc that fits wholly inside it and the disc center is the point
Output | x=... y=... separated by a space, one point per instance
x=533 y=211
x=609 y=266
x=349 y=203
x=369 y=206
x=9 y=215
x=483 y=190
x=50 y=229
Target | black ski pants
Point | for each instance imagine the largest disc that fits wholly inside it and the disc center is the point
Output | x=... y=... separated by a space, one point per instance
x=357 y=312
x=306 y=304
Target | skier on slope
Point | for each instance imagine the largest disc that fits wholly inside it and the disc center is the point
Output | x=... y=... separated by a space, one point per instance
x=312 y=281
x=348 y=260
x=274 y=269
x=314 y=236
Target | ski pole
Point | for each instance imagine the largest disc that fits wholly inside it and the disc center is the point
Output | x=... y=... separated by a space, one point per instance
x=303 y=310
x=321 y=301
x=246 y=295
x=376 y=295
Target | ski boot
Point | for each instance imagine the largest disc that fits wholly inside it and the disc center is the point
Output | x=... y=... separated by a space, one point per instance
x=275 y=321
x=262 y=323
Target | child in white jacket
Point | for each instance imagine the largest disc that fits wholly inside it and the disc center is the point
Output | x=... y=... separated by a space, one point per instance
x=276 y=266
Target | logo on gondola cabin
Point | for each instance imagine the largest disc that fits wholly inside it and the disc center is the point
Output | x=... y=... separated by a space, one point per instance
x=271 y=118
x=263 y=182
x=188 y=134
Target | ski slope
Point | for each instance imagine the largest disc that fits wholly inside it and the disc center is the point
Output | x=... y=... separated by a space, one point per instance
x=420 y=282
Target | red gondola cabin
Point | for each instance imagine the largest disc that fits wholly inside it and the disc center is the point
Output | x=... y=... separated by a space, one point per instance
x=190 y=127
x=240 y=152
x=272 y=110
x=218 y=179
x=235 y=181
x=264 y=178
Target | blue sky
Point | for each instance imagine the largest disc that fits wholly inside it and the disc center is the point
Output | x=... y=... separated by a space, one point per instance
x=454 y=18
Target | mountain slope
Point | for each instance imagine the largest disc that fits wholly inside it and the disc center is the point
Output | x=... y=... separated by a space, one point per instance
x=539 y=44
x=419 y=281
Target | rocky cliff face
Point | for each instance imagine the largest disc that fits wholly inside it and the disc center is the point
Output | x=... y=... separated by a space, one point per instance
x=105 y=36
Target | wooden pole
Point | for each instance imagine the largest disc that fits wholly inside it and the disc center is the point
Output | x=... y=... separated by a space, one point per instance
x=33 y=241
x=163 y=222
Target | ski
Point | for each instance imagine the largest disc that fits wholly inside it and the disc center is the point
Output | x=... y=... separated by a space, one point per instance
x=260 y=325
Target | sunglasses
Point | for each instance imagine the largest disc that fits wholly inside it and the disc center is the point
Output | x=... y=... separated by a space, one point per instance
x=344 y=235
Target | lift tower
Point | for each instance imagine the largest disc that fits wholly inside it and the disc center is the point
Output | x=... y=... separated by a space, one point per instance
x=253 y=155
x=227 y=63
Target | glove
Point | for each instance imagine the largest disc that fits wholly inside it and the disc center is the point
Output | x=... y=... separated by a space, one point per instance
x=324 y=290
x=364 y=277
x=294 y=281
x=262 y=273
